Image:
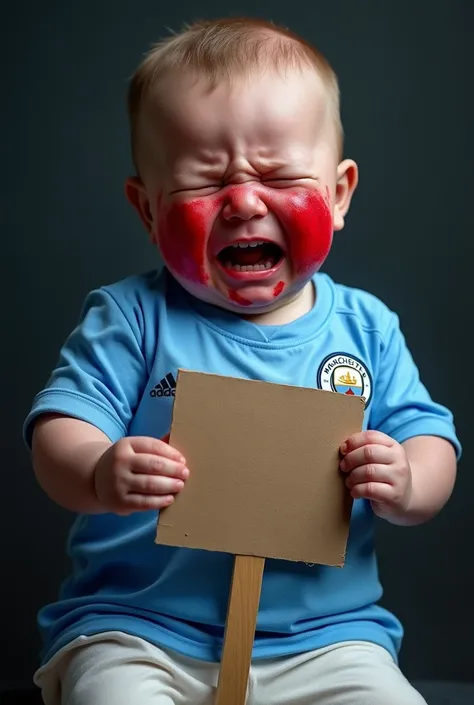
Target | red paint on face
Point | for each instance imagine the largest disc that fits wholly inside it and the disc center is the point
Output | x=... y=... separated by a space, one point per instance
x=278 y=289
x=238 y=299
x=306 y=216
x=183 y=232
x=302 y=219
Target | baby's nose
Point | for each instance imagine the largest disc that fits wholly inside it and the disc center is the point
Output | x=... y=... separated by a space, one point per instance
x=244 y=202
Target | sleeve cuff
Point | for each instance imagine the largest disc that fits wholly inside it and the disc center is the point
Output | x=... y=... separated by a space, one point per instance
x=425 y=426
x=76 y=405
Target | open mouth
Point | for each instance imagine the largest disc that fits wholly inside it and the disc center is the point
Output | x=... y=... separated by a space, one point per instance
x=254 y=256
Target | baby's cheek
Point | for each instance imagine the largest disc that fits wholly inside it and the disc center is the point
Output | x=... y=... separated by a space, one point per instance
x=183 y=233
x=307 y=218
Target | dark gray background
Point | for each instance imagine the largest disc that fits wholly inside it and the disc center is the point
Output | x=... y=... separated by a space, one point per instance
x=406 y=80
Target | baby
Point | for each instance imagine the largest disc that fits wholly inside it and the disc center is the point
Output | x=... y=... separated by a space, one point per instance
x=240 y=183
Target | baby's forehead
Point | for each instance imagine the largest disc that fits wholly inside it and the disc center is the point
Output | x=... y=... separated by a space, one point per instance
x=270 y=118
x=274 y=100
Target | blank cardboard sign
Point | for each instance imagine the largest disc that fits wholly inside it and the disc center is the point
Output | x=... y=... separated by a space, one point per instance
x=264 y=462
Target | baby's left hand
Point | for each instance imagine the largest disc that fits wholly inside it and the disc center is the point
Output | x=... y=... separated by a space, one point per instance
x=378 y=470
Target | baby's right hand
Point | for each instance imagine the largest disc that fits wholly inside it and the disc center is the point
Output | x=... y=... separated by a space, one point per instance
x=139 y=473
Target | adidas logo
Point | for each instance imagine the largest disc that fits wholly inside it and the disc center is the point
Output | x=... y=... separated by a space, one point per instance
x=165 y=387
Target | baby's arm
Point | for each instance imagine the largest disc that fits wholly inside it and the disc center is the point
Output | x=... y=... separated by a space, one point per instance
x=80 y=469
x=65 y=452
x=433 y=467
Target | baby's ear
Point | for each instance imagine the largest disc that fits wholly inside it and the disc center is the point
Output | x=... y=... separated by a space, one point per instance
x=347 y=179
x=137 y=196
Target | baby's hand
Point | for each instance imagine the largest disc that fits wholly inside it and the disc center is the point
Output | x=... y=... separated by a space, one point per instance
x=378 y=470
x=139 y=474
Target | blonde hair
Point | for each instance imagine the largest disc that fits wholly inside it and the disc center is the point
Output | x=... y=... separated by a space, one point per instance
x=224 y=49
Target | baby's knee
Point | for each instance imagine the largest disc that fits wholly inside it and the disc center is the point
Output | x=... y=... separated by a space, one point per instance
x=373 y=677
x=398 y=691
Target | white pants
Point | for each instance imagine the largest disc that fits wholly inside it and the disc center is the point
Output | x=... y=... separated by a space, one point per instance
x=118 y=669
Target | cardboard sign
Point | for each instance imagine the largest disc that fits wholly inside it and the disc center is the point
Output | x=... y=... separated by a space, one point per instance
x=264 y=463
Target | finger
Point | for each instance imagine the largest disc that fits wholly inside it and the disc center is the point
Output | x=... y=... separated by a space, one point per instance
x=367 y=455
x=366 y=438
x=148 y=502
x=154 y=485
x=155 y=446
x=367 y=474
x=375 y=491
x=147 y=464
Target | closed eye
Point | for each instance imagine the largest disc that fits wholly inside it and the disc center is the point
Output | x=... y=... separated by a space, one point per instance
x=288 y=182
x=196 y=189
x=274 y=182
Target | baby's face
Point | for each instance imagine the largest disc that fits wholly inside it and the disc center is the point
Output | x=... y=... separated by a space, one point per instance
x=243 y=205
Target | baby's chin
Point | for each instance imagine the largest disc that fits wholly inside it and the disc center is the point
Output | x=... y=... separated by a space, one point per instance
x=246 y=301
x=252 y=299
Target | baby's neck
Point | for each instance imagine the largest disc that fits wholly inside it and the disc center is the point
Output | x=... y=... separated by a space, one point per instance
x=291 y=310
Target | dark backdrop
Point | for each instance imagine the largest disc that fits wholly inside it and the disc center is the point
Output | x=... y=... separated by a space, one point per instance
x=406 y=77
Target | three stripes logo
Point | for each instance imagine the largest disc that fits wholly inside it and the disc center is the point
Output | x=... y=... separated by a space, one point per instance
x=165 y=387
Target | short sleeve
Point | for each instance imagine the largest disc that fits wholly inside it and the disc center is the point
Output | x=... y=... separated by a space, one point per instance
x=100 y=372
x=401 y=405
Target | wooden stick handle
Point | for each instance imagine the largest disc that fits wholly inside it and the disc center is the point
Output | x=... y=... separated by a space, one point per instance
x=240 y=630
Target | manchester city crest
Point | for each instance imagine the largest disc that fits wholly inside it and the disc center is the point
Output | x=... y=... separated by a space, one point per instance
x=345 y=374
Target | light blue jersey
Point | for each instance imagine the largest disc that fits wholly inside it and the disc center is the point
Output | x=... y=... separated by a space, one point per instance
x=117 y=371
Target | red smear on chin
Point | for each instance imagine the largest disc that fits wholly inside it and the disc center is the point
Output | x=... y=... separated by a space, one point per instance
x=183 y=234
x=238 y=299
x=278 y=289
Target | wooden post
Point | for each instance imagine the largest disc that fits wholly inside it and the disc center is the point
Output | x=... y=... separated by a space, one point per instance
x=240 y=630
